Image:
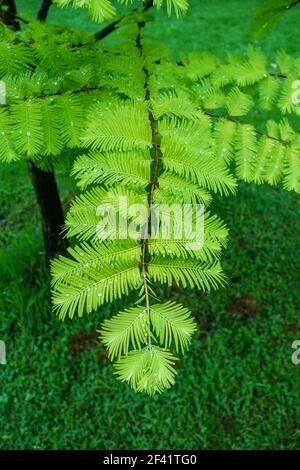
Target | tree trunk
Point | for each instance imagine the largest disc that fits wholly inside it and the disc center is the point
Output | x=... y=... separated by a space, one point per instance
x=52 y=216
x=46 y=191
x=43 y=11
x=44 y=183
x=9 y=13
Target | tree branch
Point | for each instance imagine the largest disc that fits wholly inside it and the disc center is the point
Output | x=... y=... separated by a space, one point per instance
x=54 y=93
x=152 y=185
x=231 y=119
x=114 y=24
x=92 y=89
x=293 y=4
x=278 y=75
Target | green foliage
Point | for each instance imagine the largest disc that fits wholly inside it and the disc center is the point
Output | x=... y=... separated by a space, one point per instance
x=147 y=370
x=237 y=327
x=122 y=128
x=48 y=103
x=239 y=336
x=153 y=132
x=7 y=151
x=88 y=286
x=233 y=89
x=172 y=323
x=100 y=10
x=120 y=131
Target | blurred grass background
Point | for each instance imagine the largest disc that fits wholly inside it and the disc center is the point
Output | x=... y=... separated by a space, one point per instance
x=237 y=387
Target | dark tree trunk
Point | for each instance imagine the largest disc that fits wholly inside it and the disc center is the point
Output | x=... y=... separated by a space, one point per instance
x=43 y=11
x=9 y=13
x=47 y=196
x=46 y=191
x=44 y=183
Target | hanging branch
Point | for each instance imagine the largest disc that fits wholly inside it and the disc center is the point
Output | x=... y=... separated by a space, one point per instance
x=231 y=119
x=152 y=184
x=55 y=93
x=94 y=89
x=111 y=27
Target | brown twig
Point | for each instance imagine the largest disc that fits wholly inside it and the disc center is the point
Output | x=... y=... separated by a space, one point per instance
x=111 y=27
x=278 y=75
x=54 y=93
x=153 y=185
x=292 y=5
x=156 y=147
x=231 y=119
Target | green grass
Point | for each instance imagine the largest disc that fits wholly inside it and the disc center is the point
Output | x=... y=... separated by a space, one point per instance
x=237 y=387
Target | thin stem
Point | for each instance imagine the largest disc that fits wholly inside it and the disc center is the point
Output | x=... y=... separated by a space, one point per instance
x=146 y=290
x=257 y=131
x=22 y=20
x=153 y=182
x=293 y=4
x=54 y=93
x=111 y=27
x=278 y=75
x=180 y=63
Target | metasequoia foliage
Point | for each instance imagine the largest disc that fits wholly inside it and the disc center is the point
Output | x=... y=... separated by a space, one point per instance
x=163 y=143
x=154 y=132
x=134 y=143
x=100 y=10
x=53 y=75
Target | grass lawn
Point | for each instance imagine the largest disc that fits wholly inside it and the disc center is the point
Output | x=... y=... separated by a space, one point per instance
x=237 y=387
